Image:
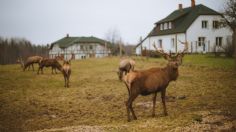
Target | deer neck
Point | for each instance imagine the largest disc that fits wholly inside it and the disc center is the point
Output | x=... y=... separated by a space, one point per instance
x=172 y=73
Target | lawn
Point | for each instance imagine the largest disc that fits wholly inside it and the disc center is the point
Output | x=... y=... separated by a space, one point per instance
x=95 y=99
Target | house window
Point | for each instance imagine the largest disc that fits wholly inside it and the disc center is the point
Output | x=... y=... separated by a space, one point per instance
x=81 y=47
x=204 y=24
x=165 y=26
x=90 y=47
x=172 y=43
x=170 y=26
x=218 y=41
x=161 y=27
x=160 y=43
x=215 y=24
x=201 y=41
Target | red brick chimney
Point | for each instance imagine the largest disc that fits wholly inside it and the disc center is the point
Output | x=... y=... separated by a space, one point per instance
x=180 y=6
x=192 y=3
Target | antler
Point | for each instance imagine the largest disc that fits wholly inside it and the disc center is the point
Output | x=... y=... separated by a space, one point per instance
x=185 y=47
x=165 y=55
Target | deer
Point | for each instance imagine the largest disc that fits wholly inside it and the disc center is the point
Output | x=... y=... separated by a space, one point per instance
x=152 y=81
x=30 y=62
x=66 y=71
x=125 y=66
x=46 y=62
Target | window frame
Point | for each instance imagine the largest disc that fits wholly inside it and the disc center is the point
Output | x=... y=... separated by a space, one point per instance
x=201 y=41
x=161 y=26
x=219 y=41
x=204 y=24
x=215 y=24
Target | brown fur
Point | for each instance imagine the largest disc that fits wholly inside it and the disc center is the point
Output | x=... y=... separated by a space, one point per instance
x=31 y=60
x=152 y=81
x=46 y=62
x=66 y=71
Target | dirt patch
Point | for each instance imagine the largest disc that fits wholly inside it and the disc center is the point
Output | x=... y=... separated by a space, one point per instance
x=210 y=121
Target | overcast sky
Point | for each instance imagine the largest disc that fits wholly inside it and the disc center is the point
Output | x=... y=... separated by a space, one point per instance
x=45 y=21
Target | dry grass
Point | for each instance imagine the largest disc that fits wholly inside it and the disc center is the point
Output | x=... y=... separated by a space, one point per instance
x=95 y=100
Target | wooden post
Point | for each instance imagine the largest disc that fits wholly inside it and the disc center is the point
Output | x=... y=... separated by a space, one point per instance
x=191 y=47
x=208 y=46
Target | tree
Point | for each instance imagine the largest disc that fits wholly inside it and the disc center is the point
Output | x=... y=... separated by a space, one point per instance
x=230 y=16
x=113 y=36
x=13 y=48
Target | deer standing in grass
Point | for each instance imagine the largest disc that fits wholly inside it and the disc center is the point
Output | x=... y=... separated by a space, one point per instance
x=46 y=62
x=152 y=81
x=29 y=62
x=66 y=71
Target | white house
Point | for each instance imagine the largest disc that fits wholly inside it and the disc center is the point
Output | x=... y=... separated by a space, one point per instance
x=79 y=48
x=197 y=24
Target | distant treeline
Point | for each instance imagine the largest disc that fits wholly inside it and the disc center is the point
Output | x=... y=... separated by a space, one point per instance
x=13 y=48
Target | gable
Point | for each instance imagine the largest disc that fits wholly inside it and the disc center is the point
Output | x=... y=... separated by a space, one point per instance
x=181 y=19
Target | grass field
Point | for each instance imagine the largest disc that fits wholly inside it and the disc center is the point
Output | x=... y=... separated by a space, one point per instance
x=95 y=100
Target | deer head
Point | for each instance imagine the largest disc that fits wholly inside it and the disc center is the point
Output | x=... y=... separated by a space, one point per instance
x=173 y=60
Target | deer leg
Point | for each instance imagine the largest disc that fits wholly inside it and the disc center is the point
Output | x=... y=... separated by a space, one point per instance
x=128 y=86
x=65 y=81
x=52 y=70
x=68 y=80
x=163 y=98
x=28 y=67
x=33 y=66
x=154 y=104
x=42 y=70
x=129 y=106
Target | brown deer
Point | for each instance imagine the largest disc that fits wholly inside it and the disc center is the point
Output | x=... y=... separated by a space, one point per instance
x=152 y=81
x=31 y=60
x=125 y=66
x=66 y=71
x=46 y=62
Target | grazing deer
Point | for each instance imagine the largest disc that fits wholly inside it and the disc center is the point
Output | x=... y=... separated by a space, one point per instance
x=31 y=60
x=152 y=81
x=46 y=62
x=66 y=71
x=125 y=66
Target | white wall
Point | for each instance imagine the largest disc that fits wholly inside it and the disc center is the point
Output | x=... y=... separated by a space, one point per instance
x=98 y=50
x=166 y=42
x=138 y=50
x=210 y=34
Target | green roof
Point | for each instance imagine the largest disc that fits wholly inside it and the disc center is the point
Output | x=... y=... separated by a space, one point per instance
x=68 y=41
x=182 y=19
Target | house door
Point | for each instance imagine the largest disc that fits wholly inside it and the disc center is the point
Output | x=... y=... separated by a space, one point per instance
x=204 y=47
x=202 y=43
